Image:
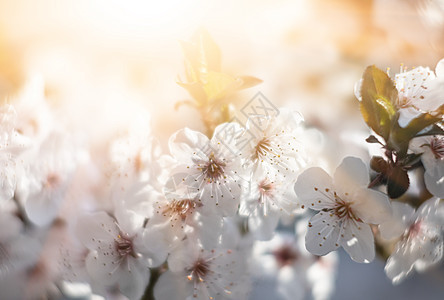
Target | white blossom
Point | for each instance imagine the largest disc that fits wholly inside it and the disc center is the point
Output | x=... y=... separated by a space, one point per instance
x=49 y=173
x=120 y=251
x=432 y=149
x=277 y=145
x=180 y=213
x=295 y=271
x=419 y=91
x=209 y=166
x=420 y=243
x=268 y=197
x=196 y=273
x=346 y=208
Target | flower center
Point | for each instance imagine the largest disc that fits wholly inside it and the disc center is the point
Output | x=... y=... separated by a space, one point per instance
x=262 y=148
x=266 y=187
x=213 y=169
x=181 y=208
x=199 y=270
x=343 y=209
x=52 y=180
x=437 y=146
x=404 y=102
x=124 y=246
x=285 y=255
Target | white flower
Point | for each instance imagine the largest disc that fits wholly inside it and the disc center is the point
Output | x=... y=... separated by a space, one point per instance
x=419 y=91
x=277 y=145
x=346 y=208
x=208 y=166
x=120 y=251
x=180 y=213
x=265 y=201
x=297 y=272
x=136 y=156
x=432 y=149
x=421 y=242
x=195 y=273
x=49 y=175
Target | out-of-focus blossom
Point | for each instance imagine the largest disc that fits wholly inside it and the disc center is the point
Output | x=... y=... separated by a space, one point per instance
x=420 y=236
x=432 y=149
x=196 y=273
x=11 y=146
x=48 y=175
x=180 y=213
x=121 y=251
x=346 y=208
x=297 y=272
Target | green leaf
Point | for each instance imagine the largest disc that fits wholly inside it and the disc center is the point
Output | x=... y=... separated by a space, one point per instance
x=433 y=130
x=196 y=91
x=378 y=104
x=202 y=55
x=246 y=82
x=398 y=182
x=400 y=136
x=219 y=85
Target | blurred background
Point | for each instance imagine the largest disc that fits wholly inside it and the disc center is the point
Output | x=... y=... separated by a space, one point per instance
x=103 y=61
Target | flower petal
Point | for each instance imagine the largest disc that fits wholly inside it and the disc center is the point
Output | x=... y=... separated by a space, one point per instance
x=310 y=187
x=402 y=218
x=184 y=143
x=434 y=180
x=323 y=233
x=400 y=263
x=133 y=279
x=103 y=267
x=172 y=287
x=357 y=240
x=351 y=172
x=95 y=229
x=371 y=206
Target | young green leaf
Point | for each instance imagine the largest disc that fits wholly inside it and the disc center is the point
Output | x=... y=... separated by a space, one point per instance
x=378 y=104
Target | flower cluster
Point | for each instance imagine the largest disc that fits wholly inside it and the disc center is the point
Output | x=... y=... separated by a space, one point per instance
x=245 y=204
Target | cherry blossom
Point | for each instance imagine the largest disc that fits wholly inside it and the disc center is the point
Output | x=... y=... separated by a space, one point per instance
x=297 y=272
x=432 y=149
x=196 y=273
x=277 y=145
x=120 y=251
x=136 y=155
x=209 y=166
x=346 y=208
x=419 y=91
x=265 y=201
x=180 y=213
x=420 y=239
x=48 y=176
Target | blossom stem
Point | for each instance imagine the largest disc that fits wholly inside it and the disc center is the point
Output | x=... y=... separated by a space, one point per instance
x=149 y=291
